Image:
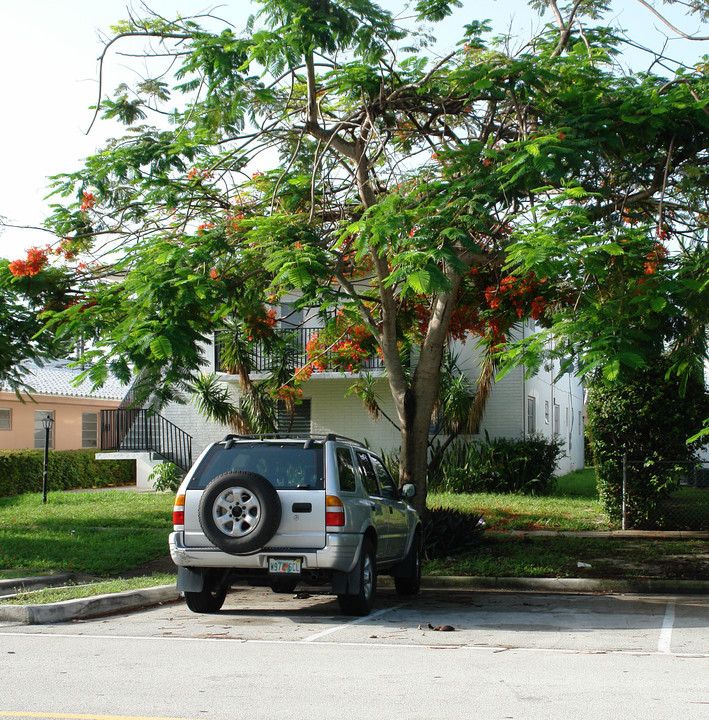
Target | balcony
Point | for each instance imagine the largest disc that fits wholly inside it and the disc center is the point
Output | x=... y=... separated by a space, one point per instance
x=262 y=361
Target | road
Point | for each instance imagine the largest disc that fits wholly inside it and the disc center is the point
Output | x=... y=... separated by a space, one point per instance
x=508 y=655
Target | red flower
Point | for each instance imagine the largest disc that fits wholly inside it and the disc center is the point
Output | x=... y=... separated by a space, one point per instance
x=35 y=262
x=18 y=268
x=88 y=202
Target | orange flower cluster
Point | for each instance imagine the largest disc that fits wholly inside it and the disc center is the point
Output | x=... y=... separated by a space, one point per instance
x=260 y=326
x=88 y=202
x=488 y=307
x=654 y=259
x=33 y=265
x=286 y=393
x=340 y=347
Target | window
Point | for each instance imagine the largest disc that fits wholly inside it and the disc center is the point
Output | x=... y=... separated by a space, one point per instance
x=39 y=433
x=531 y=414
x=298 y=423
x=345 y=469
x=291 y=317
x=557 y=419
x=5 y=419
x=284 y=465
x=546 y=412
x=387 y=485
x=369 y=479
x=89 y=430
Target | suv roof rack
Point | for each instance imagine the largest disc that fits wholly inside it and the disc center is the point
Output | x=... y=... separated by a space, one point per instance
x=324 y=437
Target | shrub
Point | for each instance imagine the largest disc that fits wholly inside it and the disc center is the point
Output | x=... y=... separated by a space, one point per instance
x=450 y=532
x=647 y=417
x=21 y=471
x=524 y=465
x=166 y=476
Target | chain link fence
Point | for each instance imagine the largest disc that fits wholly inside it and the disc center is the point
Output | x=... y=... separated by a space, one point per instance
x=684 y=507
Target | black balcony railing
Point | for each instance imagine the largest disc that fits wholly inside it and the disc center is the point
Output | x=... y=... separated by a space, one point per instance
x=137 y=430
x=300 y=337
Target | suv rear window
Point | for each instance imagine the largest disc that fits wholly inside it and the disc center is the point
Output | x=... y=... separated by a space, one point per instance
x=284 y=465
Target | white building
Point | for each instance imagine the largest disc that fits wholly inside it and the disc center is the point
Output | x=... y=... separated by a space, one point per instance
x=517 y=407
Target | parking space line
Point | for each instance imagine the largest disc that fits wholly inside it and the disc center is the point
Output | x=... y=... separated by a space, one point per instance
x=664 y=644
x=337 y=628
x=79 y=716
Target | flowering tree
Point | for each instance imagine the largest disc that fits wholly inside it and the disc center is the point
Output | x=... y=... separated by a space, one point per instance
x=410 y=199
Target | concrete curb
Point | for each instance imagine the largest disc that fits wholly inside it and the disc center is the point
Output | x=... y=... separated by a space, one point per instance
x=566 y=585
x=88 y=607
x=38 y=582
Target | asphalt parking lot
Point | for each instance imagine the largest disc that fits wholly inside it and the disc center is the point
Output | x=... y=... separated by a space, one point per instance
x=445 y=654
x=446 y=618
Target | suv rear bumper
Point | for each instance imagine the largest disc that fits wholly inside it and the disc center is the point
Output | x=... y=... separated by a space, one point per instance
x=341 y=552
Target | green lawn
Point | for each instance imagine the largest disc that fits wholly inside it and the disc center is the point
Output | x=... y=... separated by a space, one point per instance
x=574 y=506
x=97 y=533
x=109 y=532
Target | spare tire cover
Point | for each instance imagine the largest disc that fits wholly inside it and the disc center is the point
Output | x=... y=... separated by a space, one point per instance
x=239 y=511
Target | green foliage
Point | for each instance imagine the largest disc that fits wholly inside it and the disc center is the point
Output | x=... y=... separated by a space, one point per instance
x=647 y=417
x=428 y=197
x=450 y=532
x=166 y=477
x=500 y=465
x=21 y=471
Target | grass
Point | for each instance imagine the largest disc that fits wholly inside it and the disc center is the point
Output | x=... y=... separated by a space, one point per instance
x=559 y=557
x=573 y=506
x=103 y=534
x=98 y=533
x=72 y=592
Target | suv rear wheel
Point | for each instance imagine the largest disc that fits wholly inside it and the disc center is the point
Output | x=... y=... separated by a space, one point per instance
x=211 y=597
x=362 y=602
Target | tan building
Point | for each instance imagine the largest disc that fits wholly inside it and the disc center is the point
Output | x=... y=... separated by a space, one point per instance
x=76 y=410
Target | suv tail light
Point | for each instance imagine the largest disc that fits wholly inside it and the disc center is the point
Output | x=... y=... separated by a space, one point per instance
x=178 y=513
x=334 y=512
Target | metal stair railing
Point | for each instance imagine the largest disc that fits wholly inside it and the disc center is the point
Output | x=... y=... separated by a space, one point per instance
x=137 y=430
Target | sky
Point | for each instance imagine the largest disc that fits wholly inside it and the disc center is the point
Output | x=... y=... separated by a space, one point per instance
x=49 y=78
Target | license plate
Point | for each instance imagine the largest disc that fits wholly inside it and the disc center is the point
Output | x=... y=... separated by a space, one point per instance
x=281 y=566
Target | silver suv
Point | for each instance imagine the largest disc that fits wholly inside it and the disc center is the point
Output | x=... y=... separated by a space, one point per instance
x=284 y=510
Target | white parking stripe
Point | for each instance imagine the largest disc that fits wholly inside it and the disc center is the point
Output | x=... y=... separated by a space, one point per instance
x=665 y=642
x=317 y=636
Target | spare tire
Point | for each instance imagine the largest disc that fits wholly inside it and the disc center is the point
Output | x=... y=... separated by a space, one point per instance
x=239 y=511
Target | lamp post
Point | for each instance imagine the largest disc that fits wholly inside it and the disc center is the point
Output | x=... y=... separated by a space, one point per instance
x=47 y=423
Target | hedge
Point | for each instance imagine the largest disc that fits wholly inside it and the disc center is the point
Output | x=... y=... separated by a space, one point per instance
x=21 y=471
x=649 y=418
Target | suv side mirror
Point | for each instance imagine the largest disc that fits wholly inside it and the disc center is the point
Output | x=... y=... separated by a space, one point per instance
x=408 y=491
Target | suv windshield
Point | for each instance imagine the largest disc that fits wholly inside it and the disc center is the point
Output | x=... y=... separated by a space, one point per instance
x=284 y=465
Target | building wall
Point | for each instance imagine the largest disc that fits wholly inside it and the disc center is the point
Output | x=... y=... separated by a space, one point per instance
x=333 y=412
x=506 y=413
x=67 y=419
x=203 y=431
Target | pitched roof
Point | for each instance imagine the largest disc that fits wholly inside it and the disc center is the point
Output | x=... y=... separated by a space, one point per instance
x=56 y=378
